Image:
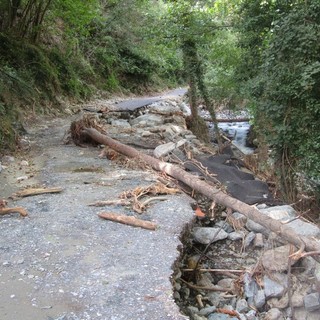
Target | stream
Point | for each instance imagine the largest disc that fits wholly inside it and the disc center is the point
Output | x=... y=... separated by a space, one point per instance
x=237 y=132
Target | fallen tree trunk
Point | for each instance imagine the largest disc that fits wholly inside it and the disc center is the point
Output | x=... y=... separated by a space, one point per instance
x=284 y=231
x=128 y=220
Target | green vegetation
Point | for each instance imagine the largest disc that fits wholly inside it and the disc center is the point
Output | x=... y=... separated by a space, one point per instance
x=262 y=54
x=280 y=71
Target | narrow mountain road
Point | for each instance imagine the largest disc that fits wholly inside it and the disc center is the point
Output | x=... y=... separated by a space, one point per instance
x=63 y=262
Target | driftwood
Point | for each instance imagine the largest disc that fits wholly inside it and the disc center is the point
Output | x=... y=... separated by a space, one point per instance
x=35 y=191
x=23 y=212
x=284 y=231
x=128 y=220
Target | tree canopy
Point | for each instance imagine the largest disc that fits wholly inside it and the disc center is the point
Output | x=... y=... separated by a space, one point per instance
x=260 y=54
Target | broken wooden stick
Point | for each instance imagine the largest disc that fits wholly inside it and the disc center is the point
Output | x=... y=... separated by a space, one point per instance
x=23 y=212
x=35 y=191
x=128 y=220
x=284 y=231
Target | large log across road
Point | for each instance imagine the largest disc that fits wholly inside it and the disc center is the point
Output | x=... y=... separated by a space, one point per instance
x=284 y=231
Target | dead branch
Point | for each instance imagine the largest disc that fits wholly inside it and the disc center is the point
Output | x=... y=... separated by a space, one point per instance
x=128 y=220
x=211 y=192
x=23 y=212
x=215 y=270
x=121 y=202
x=200 y=288
x=36 y=191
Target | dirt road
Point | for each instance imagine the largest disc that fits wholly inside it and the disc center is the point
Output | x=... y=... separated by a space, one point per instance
x=63 y=261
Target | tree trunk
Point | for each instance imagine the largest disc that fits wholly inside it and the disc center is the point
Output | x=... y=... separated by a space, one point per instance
x=213 y=193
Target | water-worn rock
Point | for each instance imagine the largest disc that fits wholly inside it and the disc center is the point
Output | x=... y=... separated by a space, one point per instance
x=312 y=301
x=206 y=235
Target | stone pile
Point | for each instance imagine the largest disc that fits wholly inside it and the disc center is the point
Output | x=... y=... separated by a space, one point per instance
x=255 y=275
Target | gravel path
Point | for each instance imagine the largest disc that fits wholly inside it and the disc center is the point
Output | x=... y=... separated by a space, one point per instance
x=63 y=262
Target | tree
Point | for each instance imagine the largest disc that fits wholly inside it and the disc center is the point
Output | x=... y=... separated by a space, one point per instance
x=283 y=74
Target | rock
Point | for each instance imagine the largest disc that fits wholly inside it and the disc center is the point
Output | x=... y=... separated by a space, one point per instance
x=258 y=240
x=214 y=298
x=190 y=137
x=248 y=239
x=237 y=235
x=148 y=120
x=242 y=219
x=301 y=313
x=251 y=315
x=274 y=314
x=164 y=107
x=166 y=148
x=312 y=301
x=0 y=167
x=242 y=306
x=205 y=280
x=277 y=259
x=226 y=283
x=250 y=286
x=259 y=299
x=220 y=316
x=207 y=310
x=279 y=303
x=224 y=225
x=297 y=299
x=304 y=228
x=120 y=123
x=146 y=133
x=185 y=109
x=275 y=287
x=317 y=275
x=193 y=310
x=206 y=235
x=282 y=213
x=256 y=227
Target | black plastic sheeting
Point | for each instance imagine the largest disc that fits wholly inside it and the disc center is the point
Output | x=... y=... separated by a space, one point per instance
x=239 y=184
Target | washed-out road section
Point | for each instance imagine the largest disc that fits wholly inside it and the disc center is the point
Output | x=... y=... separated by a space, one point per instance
x=63 y=262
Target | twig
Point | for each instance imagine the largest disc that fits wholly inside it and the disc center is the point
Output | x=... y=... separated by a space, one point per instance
x=215 y=270
x=35 y=191
x=128 y=220
x=199 y=288
x=23 y=212
x=121 y=202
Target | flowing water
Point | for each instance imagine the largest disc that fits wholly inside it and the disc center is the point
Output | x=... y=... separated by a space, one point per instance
x=237 y=132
